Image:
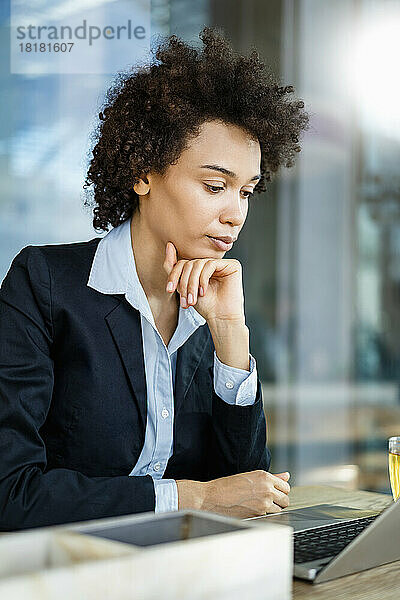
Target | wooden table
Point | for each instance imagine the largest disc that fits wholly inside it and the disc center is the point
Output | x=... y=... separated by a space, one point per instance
x=380 y=583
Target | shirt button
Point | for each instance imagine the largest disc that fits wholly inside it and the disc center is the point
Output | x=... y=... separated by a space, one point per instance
x=229 y=385
x=164 y=413
x=157 y=466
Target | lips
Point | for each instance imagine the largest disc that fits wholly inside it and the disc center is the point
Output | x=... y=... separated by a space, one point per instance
x=228 y=239
x=220 y=243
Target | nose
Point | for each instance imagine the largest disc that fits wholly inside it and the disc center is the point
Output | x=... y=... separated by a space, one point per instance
x=235 y=210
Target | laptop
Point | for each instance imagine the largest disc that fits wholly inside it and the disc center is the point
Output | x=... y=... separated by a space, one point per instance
x=332 y=541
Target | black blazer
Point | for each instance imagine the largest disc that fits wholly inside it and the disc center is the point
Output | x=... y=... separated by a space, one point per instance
x=73 y=399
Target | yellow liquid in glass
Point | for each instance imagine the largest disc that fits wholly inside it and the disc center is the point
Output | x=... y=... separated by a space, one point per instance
x=394 y=471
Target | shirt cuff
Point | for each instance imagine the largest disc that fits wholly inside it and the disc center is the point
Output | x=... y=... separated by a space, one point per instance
x=233 y=385
x=166 y=493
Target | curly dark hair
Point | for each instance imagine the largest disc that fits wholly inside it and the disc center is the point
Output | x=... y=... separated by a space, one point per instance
x=151 y=111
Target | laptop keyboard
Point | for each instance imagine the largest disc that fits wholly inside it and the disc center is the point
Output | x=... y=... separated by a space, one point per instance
x=327 y=541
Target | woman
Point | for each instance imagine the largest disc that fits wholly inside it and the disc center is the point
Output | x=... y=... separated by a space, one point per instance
x=120 y=393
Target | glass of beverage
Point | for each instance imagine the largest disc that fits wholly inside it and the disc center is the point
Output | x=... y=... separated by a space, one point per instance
x=394 y=465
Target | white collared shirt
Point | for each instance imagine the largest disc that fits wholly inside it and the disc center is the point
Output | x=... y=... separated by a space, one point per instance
x=113 y=271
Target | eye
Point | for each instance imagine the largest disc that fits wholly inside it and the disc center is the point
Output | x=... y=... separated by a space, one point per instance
x=217 y=187
x=213 y=187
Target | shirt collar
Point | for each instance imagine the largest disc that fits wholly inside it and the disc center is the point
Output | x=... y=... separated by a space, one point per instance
x=113 y=271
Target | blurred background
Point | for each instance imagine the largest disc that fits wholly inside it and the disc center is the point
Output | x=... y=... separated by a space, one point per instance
x=320 y=247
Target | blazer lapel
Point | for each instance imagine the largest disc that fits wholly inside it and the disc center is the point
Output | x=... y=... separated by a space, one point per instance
x=187 y=362
x=124 y=324
x=125 y=327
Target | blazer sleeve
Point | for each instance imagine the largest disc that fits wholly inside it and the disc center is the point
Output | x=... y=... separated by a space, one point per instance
x=238 y=437
x=30 y=496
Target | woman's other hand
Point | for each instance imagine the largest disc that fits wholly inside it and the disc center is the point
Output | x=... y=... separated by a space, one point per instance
x=244 y=495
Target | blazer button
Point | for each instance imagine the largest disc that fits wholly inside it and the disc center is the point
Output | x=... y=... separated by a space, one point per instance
x=157 y=466
x=229 y=385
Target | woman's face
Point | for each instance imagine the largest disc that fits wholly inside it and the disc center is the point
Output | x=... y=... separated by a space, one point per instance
x=192 y=200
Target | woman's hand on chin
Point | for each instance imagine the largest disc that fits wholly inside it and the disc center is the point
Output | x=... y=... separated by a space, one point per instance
x=213 y=285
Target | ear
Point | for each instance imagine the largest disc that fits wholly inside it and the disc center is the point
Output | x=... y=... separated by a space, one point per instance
x=142 y=185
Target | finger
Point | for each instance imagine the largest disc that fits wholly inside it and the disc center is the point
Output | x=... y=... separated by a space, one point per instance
x=183 y=282
x=280 y=498
x=274 y=508
x=210 y=267
x=281 y=485
x=175 y=275
x=194 y=280
x=170 y=257
x=285 y=476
